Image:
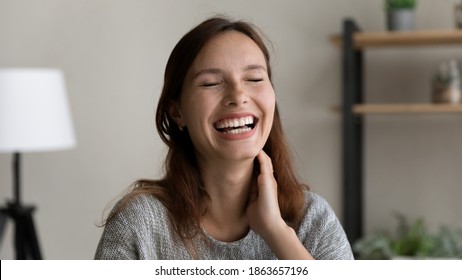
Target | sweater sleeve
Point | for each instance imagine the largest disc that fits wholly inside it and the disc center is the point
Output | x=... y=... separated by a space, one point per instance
x=326 y=239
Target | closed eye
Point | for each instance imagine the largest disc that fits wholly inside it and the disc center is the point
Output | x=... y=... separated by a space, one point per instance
x=255 y=80
x=209 y=84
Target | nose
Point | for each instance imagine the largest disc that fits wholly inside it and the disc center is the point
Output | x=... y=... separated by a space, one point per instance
x=236 y=95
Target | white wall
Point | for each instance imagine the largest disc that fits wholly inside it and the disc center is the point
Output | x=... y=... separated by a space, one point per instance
x=113 y=53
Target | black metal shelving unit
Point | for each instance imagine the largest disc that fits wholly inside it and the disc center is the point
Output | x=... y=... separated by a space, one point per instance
x=352 y=134
x=352 y=43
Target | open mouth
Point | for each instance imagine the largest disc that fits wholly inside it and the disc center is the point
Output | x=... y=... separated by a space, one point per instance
x=236 y=125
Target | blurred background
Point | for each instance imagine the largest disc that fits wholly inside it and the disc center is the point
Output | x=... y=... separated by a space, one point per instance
x=113 y=54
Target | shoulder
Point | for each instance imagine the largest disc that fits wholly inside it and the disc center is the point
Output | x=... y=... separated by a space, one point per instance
x=131 y=229
x=141 y=199
x=321 y=231
x=139 y=208
x=317 y=208
x=317 y=214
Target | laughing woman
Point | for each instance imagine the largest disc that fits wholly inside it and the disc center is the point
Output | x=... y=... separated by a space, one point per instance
x=229 y=190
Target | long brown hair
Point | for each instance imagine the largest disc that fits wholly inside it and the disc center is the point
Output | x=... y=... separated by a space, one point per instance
x=182 y=190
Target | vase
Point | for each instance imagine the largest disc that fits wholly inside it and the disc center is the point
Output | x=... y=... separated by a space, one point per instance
x=400 y=19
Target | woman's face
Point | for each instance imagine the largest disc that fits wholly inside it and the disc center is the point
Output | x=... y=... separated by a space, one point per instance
x=227 y=101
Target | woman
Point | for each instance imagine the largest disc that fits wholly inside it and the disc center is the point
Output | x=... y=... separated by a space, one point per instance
x=229 y=191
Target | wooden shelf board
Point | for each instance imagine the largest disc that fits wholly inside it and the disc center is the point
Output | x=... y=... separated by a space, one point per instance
x=409 y=38
x=406 y=108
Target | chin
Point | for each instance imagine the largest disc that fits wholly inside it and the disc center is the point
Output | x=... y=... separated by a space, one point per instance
x=241 y=155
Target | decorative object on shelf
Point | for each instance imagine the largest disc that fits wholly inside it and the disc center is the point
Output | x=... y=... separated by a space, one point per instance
x=411 y=241
x=446 y=84
x=458 y=14
x=34 y=116
x=400 y=14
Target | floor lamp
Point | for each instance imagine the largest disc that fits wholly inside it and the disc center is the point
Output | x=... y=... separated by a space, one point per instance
x=34 y=116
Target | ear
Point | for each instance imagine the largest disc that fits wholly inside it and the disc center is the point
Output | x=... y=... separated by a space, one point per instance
x=176 y=114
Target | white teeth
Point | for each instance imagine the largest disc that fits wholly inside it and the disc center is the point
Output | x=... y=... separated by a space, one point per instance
x=238 y=130
x=235 y=122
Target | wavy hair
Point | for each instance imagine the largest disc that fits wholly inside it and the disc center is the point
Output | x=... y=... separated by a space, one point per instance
x=182 y=190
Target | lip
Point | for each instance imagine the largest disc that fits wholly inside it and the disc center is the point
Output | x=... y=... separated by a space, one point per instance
x=239 y=136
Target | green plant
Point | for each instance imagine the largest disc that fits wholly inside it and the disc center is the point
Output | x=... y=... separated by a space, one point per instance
x=400 y=4
x=448 y=72
x=447 y=244
x=411 y=240
x=374 y=247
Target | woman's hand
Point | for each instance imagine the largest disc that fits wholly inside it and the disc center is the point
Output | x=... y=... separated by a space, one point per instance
x=263 y=209
x=265 y=218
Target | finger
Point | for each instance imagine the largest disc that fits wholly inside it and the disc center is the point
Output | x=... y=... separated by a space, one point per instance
x=253 y=194
x=266 y=165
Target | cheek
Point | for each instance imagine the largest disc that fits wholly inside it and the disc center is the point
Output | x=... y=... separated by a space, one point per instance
x=196 y=110
x=271 y=107
x=269 y=104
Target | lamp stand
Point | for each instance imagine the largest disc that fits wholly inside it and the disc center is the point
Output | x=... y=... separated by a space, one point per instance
x=25 y=239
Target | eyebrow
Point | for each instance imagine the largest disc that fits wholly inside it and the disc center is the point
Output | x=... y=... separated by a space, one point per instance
x=255 y=67
x=207 y=71
x=219 y=71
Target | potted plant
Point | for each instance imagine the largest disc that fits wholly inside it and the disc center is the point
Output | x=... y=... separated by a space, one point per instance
x=411 y=241
x=446 y=83
x=400 y=14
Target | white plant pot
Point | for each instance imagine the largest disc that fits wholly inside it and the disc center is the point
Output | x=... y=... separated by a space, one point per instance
x=400 y=20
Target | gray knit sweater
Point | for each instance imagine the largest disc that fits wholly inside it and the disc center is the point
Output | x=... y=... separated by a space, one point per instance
x=142 y=231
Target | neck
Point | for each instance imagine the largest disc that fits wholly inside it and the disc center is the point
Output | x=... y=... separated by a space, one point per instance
x=228 y=186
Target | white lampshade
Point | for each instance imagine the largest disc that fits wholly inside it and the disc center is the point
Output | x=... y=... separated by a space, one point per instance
x=34 y=111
